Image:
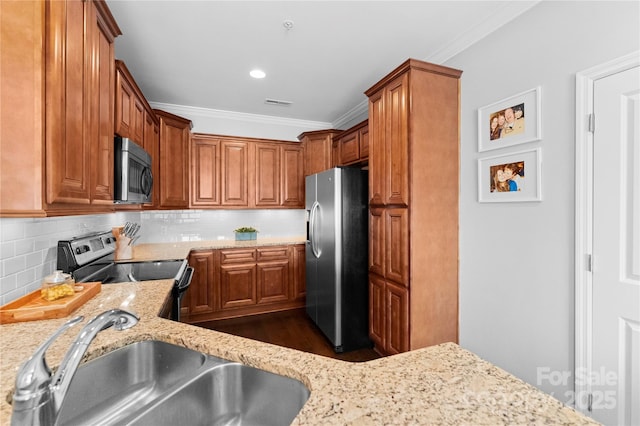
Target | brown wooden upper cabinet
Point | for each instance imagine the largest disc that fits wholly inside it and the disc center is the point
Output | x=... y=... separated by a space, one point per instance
x=60 y=87
x=132 y=109
x=175 y=135
x=234 y=172
x=318 y=146
x=134 y=119
x=353 y=145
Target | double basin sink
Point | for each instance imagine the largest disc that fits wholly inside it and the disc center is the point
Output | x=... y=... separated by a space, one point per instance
x=157 y=383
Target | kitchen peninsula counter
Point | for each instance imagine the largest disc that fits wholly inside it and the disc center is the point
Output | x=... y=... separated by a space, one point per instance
x=442 y=384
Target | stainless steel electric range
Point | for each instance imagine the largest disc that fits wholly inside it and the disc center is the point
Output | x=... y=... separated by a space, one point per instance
x=91 y=258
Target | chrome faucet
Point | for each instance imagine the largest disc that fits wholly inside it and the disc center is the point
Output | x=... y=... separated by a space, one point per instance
x=39 y=395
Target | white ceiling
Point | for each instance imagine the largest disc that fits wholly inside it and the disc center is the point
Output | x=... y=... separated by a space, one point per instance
x=199 y=53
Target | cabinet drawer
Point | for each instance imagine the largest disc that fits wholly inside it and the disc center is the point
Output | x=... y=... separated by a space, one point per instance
x=267 y=254
x=237 y=256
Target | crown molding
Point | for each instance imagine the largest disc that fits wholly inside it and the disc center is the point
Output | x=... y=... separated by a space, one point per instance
x=190 y=111
x=508 y=12
x=354 y=114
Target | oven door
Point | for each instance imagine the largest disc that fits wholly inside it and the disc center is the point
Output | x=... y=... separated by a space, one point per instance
x=179 y=292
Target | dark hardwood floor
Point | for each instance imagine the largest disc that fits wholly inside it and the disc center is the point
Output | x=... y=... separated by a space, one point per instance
x=292 y=329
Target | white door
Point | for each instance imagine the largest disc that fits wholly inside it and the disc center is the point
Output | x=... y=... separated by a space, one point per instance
x=614 y=376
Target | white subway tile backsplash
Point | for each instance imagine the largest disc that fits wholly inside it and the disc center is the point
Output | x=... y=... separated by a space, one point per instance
x=14 y=265
x=26 y=277
x=7 y=250
x=13 y=229
x=35 y=259
x=8 y=283
x=24 y=246
x=28 y=246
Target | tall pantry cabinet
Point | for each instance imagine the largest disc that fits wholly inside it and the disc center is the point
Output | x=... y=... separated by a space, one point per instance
x=413 y=207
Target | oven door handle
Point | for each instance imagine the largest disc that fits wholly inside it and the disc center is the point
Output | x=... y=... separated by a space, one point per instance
x=185 y=281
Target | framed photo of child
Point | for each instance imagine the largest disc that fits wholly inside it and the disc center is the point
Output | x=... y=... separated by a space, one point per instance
x=513 y=177
x=511 y=121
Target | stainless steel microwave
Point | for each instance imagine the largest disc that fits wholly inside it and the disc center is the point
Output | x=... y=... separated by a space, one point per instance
x=132 y=173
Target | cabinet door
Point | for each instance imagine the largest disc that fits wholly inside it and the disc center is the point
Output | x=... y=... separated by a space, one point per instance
x=174 y=161
x=396 y=166
x=200 y=296
x=102 y=79
x=335 y=154
x=152 y=146
x=205 y=171
x=66 y=113
x=397 y=321
x=364 y=143
x=377 y=311
x=350 y=148
x=317 y=154
x=377 y=153
x=396 y=230
x=237 y=285
x=273 y=281
x=124 y=100
x=292 y=177
x=138 y=121
x=299 y=272
x=235 y=158
x=267 y=176
x=376 y=241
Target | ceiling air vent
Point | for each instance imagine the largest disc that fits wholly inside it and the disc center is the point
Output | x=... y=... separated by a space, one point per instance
x=277 y=102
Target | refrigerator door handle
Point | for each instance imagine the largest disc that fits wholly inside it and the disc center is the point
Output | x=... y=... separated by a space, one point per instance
x=313 y=219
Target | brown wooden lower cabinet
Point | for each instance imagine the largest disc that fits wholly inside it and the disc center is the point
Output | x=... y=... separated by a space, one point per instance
x=237 y=286
x=230 y=283
x=388 y=315
x=200 y=298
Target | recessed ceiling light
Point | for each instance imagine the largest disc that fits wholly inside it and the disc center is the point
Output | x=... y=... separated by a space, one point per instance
x=257 y=74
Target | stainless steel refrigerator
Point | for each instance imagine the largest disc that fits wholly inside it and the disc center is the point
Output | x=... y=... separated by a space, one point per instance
x=337 y=252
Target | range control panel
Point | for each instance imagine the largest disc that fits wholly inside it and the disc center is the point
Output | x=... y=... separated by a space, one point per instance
x=79 y=251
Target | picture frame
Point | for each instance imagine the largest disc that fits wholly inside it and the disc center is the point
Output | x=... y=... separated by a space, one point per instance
x=523 y=111
x=512 y=177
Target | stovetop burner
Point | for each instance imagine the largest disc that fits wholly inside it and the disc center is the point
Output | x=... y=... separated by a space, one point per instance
x=140 y=271
x=91 y=258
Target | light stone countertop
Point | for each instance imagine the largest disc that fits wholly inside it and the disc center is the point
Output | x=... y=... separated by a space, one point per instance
x=180 y=250
x=442 y=384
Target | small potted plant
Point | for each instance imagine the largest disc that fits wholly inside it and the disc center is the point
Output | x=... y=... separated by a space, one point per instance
x=246 y=233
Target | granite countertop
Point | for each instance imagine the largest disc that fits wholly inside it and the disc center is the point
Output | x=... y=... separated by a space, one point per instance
x=442 y=384
x=180 y=250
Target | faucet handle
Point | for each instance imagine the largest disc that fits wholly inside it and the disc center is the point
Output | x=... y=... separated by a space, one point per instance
x=34 y=375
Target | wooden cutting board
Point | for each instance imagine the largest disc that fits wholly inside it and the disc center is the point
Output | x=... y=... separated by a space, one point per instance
x=32 y=307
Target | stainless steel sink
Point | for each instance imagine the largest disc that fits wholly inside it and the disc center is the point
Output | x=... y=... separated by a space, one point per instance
x=230 y=394
x=156 y=383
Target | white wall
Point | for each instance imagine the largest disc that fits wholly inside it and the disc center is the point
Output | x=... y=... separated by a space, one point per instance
x=516 y=259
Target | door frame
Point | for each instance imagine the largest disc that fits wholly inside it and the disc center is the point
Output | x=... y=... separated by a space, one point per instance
x=584 y=218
